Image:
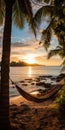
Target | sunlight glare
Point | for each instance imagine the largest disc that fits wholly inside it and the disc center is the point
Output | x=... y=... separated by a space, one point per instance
x=30 y=59
x=29 y=71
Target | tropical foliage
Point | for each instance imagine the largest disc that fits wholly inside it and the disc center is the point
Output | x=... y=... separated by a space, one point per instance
x=60 y=99
x=21 y=11
x=55 y=11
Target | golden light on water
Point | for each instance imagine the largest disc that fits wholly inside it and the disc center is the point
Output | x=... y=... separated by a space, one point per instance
x=30 y=71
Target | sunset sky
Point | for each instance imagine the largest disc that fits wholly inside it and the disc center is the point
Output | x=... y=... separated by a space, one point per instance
x=26 y=48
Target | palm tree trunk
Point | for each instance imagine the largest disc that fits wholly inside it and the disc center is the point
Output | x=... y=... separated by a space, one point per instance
x=4 y=90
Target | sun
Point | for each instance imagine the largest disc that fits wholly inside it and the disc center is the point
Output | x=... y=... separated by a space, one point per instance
x=30 y=59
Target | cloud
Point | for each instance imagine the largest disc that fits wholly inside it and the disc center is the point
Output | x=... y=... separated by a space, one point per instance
x=30 y=47
x=19 y=50
x=19 y=44
x=18 y=39
x=50 y=62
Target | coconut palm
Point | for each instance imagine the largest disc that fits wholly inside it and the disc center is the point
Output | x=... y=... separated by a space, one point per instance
x=19 y=10
x=55 y=10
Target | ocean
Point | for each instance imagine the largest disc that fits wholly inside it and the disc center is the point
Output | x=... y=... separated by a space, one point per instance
x=19 y=73
x=27 y=77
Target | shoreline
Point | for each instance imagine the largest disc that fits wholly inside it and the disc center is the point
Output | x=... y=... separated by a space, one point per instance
x=26 y=115
x=37 y=84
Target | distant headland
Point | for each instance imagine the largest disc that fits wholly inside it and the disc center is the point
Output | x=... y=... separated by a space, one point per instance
x=21 y=63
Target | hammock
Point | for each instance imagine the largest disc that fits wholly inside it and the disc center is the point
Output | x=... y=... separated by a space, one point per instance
x=47 y=95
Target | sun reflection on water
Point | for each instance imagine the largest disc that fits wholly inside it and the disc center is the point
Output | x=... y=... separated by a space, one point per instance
x=30 y=71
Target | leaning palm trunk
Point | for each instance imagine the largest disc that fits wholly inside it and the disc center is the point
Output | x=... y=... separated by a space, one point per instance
x=4 y=91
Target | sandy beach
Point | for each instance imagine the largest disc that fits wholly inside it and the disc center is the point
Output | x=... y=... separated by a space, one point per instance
x=25 y=115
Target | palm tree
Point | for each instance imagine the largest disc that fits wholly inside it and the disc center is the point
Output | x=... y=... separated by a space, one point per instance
x=55 y=10
x=20 y=10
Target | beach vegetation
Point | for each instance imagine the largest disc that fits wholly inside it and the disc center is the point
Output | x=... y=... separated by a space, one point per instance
x=60 y=100
x=55 y=13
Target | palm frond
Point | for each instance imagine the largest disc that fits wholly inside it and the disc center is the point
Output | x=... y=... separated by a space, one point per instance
x=47 y=1
x=63 y=63
x=52 y=53
x=59 y=47
x=22 y=11
x=46 y=44
x=62 y=53
x=59 y=28
x=63 y=69
x=18 y=16
x=46 y=37
x=29 y=14
x=42 y=12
